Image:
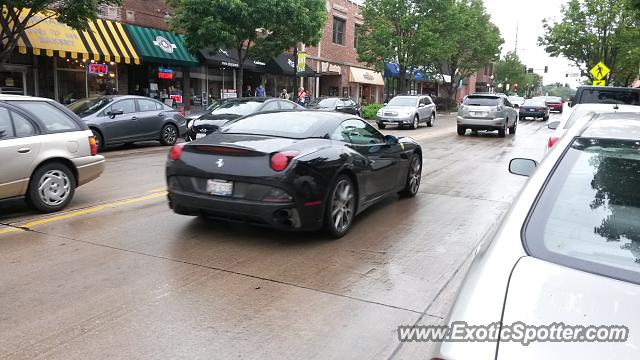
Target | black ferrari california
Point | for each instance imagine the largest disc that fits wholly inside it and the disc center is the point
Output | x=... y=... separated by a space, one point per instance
x=295 y=170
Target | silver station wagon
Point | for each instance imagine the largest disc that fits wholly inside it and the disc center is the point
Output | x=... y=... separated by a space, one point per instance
x=46 y=151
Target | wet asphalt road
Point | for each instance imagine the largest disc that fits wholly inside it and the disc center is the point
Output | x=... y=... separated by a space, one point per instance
x=118 y=275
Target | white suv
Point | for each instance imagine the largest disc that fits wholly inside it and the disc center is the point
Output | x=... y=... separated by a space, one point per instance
x=46 y=151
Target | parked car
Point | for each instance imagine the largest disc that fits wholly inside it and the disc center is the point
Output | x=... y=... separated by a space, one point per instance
x=46 y=151
x=582 y=112
x=487 y=112
x=536 y=109
x=554 y=103
x=339 y=104
x=231 y=109
x=517 y=101
x=407 y=110
x=606 y=95
x=566 y=253
x=117 y=119
x=292 y=170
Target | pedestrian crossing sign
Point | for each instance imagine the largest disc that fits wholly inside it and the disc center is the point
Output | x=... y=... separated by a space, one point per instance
x=599 y=83
x=600 y=71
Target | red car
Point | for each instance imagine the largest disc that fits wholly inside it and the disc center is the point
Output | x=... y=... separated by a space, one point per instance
x=554 y=103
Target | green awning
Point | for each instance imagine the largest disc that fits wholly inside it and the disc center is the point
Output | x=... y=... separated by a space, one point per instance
x=160 y=46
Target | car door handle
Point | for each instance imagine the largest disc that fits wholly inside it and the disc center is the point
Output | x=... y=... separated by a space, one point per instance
x=134 y=118
x=161 y=114
x=24 y=150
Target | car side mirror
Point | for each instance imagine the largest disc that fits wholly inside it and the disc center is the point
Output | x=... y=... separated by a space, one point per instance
x=391 y=140
x=385 y=104
x=522 y=167
x=115 y=112
x=422 y=105
x=553 y=125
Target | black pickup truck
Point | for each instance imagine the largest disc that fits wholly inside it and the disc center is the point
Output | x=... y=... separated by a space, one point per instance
x=606 y=95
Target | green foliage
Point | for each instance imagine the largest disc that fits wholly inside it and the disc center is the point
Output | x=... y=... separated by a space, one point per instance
x=559 y=90
x=510 y=70
x=233 y=23
x=369 y=111
x=74 y=13
x=597 y=30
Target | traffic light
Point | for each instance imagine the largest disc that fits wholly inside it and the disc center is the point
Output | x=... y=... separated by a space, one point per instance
x=515 y=87
x=546 y=69
x=525 y=68
x=530 y=70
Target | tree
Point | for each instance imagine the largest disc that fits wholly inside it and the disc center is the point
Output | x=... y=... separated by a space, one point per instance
x=398 y=31
x=466 y=42
x=20 y=17
x=596 y=30
x=255 y=28
x=510 y=70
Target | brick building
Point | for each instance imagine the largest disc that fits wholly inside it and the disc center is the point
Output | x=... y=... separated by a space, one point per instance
x=335 y=59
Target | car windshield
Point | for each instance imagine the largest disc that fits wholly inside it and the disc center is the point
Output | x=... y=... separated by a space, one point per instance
x=588 y=216
x=298 y=125
x=403 y=101
x=86 y=107
x=324 y=103
x=516 y=99
x=482 y=101
x=610 y=96
x=554 y=99
x=535 y=103
x=241 y=108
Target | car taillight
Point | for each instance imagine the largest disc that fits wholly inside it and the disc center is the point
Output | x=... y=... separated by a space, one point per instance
x=280 y=161
x=93 y=146
x=176 y=151
x=181 y=113
x=552 y=141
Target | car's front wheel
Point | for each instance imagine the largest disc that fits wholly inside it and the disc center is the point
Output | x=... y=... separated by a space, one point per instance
x=415 y=123
x=432 y=120
x=51 y=187
x=414 y=176
x=381 y=126
x=341 y=209
x=512 y=129
x=169 y=135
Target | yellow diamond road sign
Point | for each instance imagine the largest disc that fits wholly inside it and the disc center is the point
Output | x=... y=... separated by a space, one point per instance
x=599 y=83
x=600 y=71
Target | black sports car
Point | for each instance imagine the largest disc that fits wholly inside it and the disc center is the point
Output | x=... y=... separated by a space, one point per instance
x=296 y=170
x=231 y=109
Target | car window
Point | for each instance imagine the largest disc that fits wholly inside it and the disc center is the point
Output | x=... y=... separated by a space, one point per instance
x=127 y=106
x=577 y=114
x=23 y=127
x=240 y=108
x=361 y=133
x=6 y=128
x=482 y=101
x=403 y=101
x=534 y=103
x=340 y=134
x=146 y=105
x=340 y=103
x=53 y=119
x=271 y=105
x=428 y=101
x=86 y=107
x=610 y=96
x=351 y=103
x=286 y=105
x=588 y=215
x=507 y=102
x=281 y=124
x=159 y=106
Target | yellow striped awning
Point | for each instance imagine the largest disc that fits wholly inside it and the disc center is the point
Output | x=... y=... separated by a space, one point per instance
x=103 y=40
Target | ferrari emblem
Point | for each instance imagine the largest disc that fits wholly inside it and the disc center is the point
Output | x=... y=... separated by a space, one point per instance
x=220 y=162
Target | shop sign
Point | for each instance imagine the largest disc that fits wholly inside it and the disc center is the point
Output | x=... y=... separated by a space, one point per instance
x=229 y=94
x=100 y=69
x=176 y=98
x=258 y=62
x=164 y=73
x=302 y=62
x=164 y=44
x=326 y=67
x=368 y=76
x=9 y=82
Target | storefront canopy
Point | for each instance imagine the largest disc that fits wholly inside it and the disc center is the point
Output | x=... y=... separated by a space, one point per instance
x=283 y=65
x=393 y=71
x=104 y=40
x=364 y=76
x=160 y=46
x=220 y=57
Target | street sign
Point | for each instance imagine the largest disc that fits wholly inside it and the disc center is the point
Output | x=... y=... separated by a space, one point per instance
x=600 y=71
x=599 y=83
x=302 y=62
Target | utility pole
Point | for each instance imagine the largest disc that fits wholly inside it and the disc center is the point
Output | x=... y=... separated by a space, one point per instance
x=517 y=30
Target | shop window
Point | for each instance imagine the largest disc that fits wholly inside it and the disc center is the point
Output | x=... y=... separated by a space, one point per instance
x=338 y=30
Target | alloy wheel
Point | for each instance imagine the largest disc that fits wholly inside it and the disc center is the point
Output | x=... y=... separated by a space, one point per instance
x=170 y=134
x=416 y=123
x=54 y=187
x=415 y=174
x=342 y=205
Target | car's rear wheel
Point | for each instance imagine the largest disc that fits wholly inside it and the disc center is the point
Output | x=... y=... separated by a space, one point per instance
x=415 y=123
x=381 y=126
x=341 y=209
x=503 y=131
x=51 y=187
x=414 y=176
x=432 y=120
x=512 y=130
x=99 y=139
x=461 y=130
x=169 y=135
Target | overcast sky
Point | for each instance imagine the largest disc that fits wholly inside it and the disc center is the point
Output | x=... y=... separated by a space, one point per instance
x=528 y=15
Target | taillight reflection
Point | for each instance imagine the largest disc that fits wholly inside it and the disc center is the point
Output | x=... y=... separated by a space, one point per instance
x=552 y=141
x=93 y=146
x=176 y=151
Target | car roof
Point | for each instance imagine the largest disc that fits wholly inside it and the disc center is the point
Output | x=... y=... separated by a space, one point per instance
x=614 y=125
x=487 y=95
x=607 y=107
x=608 y=88
x=4 y=97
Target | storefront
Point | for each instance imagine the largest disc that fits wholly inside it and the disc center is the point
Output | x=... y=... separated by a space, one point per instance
x=368 y=84
x=166 y=69
x=329 y=81
x=280 y=73
x=220 y=72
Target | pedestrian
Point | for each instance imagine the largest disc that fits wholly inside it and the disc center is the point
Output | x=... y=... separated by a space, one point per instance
x=248 y=92
x=260 y=91
x=284 y=94
x=302 y=96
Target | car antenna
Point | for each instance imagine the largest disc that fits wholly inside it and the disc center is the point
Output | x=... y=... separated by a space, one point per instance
x=616 y=107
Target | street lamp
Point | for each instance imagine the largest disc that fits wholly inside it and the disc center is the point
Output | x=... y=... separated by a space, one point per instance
x=491 y=84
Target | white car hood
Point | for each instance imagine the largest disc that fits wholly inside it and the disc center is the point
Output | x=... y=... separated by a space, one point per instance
x=541 y=293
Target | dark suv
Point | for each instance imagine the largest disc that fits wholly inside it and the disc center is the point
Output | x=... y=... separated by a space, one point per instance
x=606 y=95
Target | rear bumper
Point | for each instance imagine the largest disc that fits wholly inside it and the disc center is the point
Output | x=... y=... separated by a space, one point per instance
x=89 y=168
x=481 y=124
x=536 y=114
x=555 y=107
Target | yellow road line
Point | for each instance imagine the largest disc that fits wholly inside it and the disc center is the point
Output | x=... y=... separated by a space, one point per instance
x=82 y=212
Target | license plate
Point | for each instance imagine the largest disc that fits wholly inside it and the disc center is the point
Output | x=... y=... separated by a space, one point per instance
x=200 y=135
x=220 y=187
x=532 y=109
x=479 y=114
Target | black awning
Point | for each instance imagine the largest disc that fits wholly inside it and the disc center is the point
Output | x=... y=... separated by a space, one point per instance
x=220 y=57
x=283 y=64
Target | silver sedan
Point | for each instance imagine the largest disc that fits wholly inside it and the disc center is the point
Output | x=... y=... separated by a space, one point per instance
x=567 y=253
